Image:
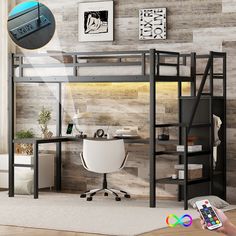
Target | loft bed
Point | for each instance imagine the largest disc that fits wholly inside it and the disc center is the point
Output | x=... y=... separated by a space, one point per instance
x=149 y=66
x=134 y=66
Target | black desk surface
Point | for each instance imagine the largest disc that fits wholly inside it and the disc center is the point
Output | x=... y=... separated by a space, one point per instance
x=56 y=139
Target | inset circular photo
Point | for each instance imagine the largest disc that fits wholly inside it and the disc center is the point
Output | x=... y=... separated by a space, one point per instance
x=31 y=25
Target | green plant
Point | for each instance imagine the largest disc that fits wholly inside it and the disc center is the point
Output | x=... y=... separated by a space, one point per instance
x=24 y=134
x=44 y=116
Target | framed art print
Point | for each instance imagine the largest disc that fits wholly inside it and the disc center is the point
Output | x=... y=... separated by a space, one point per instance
x=152 y=23
x=96 y=21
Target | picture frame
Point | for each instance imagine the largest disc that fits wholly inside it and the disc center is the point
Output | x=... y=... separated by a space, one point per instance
x=95 y=21
x=152 y=23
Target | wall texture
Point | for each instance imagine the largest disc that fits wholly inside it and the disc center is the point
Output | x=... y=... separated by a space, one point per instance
x=199 y=26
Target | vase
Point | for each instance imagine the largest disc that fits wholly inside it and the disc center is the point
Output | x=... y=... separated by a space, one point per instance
x=44 y=129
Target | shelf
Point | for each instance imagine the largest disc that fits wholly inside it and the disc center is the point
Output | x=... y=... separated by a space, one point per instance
x=23 y=165
x=217 y=172
x=167 y=142
x=196 y=125
x=202 y=97
x=169 y=180
x=176 y=78
x=175 y=153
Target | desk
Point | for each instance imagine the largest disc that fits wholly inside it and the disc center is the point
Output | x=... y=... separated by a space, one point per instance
x=60 y=139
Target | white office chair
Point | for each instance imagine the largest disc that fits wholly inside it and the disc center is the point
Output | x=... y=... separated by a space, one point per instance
x=103 y=156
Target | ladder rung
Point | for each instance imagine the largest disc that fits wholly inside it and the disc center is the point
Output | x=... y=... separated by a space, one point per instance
x=218 y=77
x=23 y=165
x=168 y=125
x=206 y=94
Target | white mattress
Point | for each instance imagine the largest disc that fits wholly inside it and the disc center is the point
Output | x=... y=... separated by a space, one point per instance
x=93 y=71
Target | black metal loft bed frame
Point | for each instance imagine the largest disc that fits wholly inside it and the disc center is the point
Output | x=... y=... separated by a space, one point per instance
x=151 y=59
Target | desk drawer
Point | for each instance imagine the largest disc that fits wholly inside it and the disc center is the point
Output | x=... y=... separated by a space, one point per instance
x=3 y=179
x=46 y=169
x=3 y=162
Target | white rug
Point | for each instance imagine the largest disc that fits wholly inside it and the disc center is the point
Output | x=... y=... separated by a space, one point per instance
x=71 y=213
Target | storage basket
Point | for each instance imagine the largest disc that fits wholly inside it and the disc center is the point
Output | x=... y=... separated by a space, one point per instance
x=24 y=148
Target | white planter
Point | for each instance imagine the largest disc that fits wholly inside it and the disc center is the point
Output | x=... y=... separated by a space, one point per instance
x=46 y=169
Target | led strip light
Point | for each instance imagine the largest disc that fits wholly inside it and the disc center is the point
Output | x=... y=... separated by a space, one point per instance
x=30 y=27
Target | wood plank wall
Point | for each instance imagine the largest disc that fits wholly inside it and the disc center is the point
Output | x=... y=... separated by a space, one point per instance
x=199 y=26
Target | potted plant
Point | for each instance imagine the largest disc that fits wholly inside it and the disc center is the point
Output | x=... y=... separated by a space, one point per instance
x=24 y=148
x=44 y=118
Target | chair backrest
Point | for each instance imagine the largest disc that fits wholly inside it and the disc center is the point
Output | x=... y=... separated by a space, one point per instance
x=103 y=156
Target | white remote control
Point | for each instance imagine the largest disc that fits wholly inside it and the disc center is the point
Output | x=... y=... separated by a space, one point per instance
x=208 y=214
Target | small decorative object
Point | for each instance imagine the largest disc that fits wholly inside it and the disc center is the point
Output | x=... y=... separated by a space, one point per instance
x=96 y=21
x=24 y=148
x=195 y=171
x=49 y=134
x=152 y=23
x=174 y=176
x=164 y=136
x=44 y=118
x=192 y=140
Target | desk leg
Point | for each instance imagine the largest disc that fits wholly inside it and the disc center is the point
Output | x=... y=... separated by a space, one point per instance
x=36 y=169
x=58 y=167
x=11 y=170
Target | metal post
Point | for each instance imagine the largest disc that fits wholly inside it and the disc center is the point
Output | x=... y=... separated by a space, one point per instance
x=178 y=60
x=75 y=67
x=58 y=145
x=211 y=133
x=180 y=130
x=11 y=95
x=152 y=129
x=193 y=73
x=143 y=63
x=224 y=122
x=36 y=170
x=185 y=168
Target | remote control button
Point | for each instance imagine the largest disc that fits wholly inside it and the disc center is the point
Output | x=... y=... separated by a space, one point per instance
x=215 y=218
x=217 y=222
x=213 y=222
x=209 y=224
x=209 y=216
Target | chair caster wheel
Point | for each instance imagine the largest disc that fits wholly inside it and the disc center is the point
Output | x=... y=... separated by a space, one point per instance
x=106 y=194
x=127 y=196
x=89 y=199
x=118 y=199
x=83 y=195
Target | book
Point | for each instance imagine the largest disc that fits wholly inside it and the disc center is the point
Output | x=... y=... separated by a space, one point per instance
x=191 y=148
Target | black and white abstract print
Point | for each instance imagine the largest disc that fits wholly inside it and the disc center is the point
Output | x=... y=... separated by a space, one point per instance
x=95 y=22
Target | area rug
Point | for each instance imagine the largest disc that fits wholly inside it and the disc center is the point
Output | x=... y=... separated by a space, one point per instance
x=68 y=212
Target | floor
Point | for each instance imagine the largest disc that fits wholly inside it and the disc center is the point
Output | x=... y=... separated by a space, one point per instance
x=194 y=230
